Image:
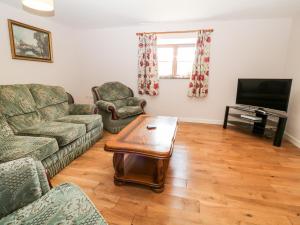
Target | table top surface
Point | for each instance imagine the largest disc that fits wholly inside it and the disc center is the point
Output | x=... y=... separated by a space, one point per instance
x=137 y=138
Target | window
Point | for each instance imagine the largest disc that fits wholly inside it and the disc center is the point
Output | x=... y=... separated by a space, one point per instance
x=175 y=57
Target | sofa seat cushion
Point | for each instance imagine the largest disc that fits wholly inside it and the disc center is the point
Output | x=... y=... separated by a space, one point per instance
x=90 y=121
x=15 y=147
x=64 y=133
x=128 y=111
x=65 y=204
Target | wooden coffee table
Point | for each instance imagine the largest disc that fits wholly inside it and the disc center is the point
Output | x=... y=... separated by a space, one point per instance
x=141 y=156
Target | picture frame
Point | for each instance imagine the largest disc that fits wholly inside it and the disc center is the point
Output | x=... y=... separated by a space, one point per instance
x=29 y=42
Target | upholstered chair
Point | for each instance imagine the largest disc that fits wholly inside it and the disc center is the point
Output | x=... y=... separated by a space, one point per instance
x=26 y=197
x=117 y=105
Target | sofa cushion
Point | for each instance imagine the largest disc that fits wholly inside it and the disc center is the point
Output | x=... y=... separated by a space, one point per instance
x=24 y=121
x=112 y=91
x=19 y=185
x=65 y=204
x=5 y=129
x=16 y=100
x=53 y=112
x=45 y=95
x=64 y=133
x=15 y=147
x=127 y=111
x=120 y=103
x=90 y=121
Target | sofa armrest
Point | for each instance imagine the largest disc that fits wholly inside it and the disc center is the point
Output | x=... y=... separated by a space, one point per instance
x=108 y=107
x=82 y=109
x=20 y=184
x=134 y=101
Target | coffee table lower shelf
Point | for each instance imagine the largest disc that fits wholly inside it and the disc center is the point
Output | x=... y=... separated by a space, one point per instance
x=143 y=170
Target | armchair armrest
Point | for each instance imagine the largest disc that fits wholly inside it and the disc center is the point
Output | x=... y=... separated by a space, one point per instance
x=108 y=107
x=22 y=182
x=134 y=101
x=82 y=109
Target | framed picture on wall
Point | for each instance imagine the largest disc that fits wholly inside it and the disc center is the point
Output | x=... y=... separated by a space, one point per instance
x=29 y=43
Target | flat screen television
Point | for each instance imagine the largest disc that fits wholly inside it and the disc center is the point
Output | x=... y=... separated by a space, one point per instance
x=265 y=93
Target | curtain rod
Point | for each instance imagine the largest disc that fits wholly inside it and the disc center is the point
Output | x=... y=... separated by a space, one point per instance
x=175 y=32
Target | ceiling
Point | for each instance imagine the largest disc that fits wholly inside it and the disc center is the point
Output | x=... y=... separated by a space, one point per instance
x=111 y=13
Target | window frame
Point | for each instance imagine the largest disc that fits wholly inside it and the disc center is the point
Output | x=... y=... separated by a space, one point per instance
x=175 y=47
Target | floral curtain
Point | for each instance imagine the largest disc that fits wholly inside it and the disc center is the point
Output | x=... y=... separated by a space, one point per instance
x=198 y=85
x=147 y=65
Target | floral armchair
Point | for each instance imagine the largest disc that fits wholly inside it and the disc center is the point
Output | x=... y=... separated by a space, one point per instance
x=117 y=105
x=27 y=198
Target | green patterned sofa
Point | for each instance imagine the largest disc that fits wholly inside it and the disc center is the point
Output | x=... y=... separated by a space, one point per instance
x=117 y=105
x=37 y=121
x=26 y=198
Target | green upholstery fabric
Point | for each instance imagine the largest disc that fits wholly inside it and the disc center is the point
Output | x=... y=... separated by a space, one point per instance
x=24 y=121
x=114 y=91
x=51 y=101
x=5 y=129
x=115 y=126
x=64 y=133
x=127 y=111
x=90 y=121
x=45 y=95
x=30 y=111
x=65 y=155
x=65 y=204
x=53 y=112
x=15 y=147
x=19 y=185
x=134 y=101
x=117 y=105
x=105 y=106
x=42 y=177
x=120 y=103
x=81 y=109
x=16 y=100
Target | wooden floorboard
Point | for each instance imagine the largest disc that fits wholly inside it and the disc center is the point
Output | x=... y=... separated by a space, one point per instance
x=215 y=177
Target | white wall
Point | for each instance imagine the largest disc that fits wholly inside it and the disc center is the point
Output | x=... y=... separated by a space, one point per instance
x=293 y=68
x=245 y=48
x=84 y=58
x=64 y=71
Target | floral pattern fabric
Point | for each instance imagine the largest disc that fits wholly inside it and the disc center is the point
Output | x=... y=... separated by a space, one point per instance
x=65 y=204
x=64 y=133
x=147 y=65
x=27 y=128
x=19 y=185
x=117 y=105
x=198 y=85
x=26 y=198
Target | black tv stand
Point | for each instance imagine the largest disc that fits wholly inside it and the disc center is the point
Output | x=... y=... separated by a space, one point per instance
x=259 y=121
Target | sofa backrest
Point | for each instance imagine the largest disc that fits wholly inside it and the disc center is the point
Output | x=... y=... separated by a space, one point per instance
x=51 y=101
x=18 y=106
x=5 y=129
x=113 y=91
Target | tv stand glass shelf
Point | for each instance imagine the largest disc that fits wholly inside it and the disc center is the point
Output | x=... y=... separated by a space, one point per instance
x=261 y=122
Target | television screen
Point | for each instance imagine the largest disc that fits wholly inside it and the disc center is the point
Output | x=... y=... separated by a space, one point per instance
x=267 y=93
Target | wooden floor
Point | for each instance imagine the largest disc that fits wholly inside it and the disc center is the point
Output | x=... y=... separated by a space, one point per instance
x=215 y=177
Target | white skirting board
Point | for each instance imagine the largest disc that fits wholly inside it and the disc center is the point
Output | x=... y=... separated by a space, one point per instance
x=198 y=120
x=292 y=139
x=287 y=136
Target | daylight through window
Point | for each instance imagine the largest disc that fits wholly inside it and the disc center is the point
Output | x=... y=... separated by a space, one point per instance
x=175 y=57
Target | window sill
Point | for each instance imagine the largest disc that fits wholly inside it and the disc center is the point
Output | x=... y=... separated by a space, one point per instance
x=175 y=78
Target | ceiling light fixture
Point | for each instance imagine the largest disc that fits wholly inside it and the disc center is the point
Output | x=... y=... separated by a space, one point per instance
x=40 y=5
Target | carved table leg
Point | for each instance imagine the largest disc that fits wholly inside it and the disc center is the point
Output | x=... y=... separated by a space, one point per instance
x=118 y=162
x=159 y=175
